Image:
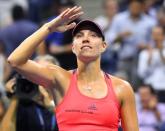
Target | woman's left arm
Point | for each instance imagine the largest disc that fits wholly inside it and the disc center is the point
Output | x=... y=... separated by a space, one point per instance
x=128 y=109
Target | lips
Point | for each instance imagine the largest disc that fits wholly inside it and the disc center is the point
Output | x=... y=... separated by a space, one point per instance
x=86 y=46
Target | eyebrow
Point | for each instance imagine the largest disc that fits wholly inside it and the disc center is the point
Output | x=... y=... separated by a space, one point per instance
x=80 y=32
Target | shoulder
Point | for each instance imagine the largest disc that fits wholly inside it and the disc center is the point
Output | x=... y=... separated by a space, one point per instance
x=149 y=20
x=58 y=70
x=58 y=74
x=144 y=52
x=61 y=76
x=122 y=88
x=120 y=83
x=121 y=16
x=100 y=19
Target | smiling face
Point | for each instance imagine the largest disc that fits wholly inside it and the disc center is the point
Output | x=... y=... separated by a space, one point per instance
x=88 y=45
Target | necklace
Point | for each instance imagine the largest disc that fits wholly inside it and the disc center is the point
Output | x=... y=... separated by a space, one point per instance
x=88 y=88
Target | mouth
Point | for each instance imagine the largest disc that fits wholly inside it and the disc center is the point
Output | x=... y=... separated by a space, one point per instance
x=86 y=46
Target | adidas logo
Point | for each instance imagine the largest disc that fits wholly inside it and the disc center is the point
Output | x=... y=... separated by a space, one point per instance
x=92 y=107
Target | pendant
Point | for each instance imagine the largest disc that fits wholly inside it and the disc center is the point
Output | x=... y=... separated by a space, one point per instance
x=89 y=88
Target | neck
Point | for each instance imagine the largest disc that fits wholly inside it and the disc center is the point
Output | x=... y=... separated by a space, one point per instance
x=110 y=16
x=89 y=71
x=135 y=17
x=144 y=107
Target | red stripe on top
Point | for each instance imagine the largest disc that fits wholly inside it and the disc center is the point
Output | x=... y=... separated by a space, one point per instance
x=78 y=112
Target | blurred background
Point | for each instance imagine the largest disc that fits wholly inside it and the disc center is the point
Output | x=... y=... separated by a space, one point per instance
x=134 y=31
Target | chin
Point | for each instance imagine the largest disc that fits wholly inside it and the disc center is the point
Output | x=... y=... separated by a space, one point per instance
x=87 y=58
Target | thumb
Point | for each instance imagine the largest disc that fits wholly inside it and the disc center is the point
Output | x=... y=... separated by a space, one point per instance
x=70 y=26
x=43 y=91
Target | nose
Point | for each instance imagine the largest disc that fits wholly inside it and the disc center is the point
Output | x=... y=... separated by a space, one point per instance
x=85 y=39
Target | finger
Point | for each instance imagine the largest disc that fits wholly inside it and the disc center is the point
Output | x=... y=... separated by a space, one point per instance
x=12 y=80
x=43 y=91
x=70 y=26
x=73 y=17
x=73 y=11
x=64 y=12
x=77 y=10
x=67 y=12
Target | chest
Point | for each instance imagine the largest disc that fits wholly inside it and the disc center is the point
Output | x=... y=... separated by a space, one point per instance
x=82 y=110
x=81 y=107
x=98 y=89
x=156 y=60
x=139 y=30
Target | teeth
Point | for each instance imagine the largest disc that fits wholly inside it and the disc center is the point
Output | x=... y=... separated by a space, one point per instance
x=85 y=47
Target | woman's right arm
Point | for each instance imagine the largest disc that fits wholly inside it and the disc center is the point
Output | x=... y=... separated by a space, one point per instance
x=19 y=58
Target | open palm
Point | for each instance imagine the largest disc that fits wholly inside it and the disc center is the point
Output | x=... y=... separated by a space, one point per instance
x=62 y=22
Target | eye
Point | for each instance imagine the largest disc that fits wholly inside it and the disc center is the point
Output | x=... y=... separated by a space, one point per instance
x=78 y=35
x=94 y=35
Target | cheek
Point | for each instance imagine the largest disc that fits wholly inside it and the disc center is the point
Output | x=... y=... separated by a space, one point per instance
x=75 y=49
x=100 y=48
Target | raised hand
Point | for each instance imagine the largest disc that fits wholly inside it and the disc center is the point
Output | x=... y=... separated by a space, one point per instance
x=62 y=22
x=125 y=34
x=9 y=85
x=47 y=100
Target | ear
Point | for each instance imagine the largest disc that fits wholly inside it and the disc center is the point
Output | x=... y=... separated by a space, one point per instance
x=104 y=46
x=73 y=49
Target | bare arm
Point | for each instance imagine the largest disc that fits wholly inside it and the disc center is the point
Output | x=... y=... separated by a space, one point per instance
x=19 y=59
x=128 y=110
x=8 y=122
x=121 y=36
x=41 y=50
x=47 y=99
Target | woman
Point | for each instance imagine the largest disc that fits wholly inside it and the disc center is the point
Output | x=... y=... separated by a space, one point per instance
x=91 y=99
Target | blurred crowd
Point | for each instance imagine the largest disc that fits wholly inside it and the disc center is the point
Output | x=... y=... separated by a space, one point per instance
x=134 y=32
